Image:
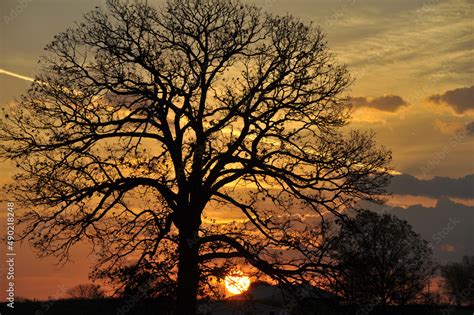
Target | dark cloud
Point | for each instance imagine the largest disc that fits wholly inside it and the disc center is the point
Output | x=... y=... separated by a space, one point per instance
x=461 y=100
x=388 y=103
x=447 y=227
x=436 y=187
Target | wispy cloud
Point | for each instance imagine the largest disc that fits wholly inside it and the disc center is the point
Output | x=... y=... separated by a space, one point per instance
x=414 y=52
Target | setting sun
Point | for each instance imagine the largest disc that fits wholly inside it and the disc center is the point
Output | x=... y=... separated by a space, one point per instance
x=237 y=282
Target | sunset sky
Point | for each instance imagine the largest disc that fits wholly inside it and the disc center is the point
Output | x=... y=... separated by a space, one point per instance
x=412 y=62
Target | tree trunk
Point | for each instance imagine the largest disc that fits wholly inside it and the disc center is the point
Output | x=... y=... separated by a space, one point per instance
x=188 y=274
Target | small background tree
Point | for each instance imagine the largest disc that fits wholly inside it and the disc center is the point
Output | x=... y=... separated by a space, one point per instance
x=381 y=260
x=86 y=291
x=459 y=281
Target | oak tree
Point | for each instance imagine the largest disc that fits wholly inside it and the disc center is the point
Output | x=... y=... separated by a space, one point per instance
x=206 y=130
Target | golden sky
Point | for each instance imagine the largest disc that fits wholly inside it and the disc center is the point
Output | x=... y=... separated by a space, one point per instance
x=410 y=49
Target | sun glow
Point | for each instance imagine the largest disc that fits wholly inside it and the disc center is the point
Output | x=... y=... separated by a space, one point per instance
x=236 y=282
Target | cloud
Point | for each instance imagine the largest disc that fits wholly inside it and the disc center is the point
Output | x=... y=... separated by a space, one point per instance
x=457 y=127
x=388 y=103
x=436 y=187
x=447 y=127
x=461 y=100
x=446 y=226
x=415 y=52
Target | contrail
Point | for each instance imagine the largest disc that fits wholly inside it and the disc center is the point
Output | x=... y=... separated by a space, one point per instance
x=23 y=77
x=16 y=75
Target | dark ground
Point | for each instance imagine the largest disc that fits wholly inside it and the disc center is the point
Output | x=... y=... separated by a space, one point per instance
x=155 y=307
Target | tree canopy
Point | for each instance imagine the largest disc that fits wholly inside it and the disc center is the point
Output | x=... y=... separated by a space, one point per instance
x=459 y=281
x=381 y=260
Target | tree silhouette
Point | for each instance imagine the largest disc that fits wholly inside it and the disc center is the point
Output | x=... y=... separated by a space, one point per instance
x=381 y=260
x=459 y=280
x=86 y=291
x=144 y=124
